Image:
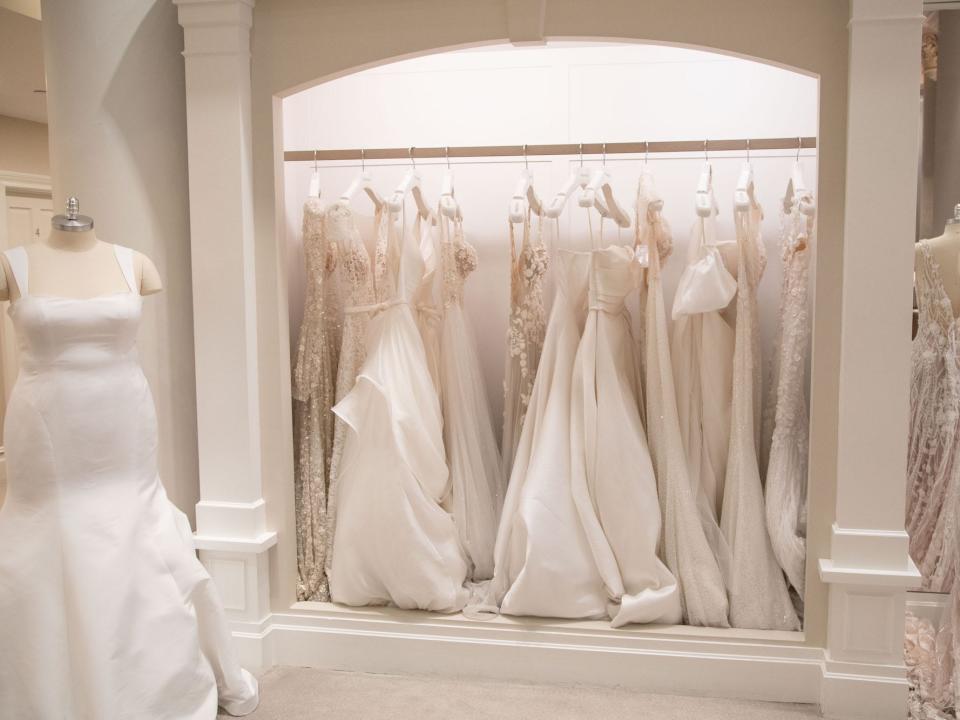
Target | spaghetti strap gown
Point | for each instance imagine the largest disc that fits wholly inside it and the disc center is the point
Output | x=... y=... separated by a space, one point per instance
x=105 y=611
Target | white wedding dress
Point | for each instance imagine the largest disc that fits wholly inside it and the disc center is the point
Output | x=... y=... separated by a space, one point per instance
x=476 y=485
x=394 y=543
x=105 y=611
x=758 y=591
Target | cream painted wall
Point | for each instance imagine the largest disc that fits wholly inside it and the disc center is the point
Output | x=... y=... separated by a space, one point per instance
x=298 y=43
x=23 y=146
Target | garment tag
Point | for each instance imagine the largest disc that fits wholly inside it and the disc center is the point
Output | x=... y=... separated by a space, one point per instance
x=642 y=253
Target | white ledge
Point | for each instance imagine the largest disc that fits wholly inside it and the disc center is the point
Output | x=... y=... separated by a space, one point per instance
x=260 y=544
x=830 y=573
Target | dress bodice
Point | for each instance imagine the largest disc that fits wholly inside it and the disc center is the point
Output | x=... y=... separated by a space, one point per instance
x=458 y=259
x=68 y=332
x=400 y=270
x=355 y=276
x=613 y=275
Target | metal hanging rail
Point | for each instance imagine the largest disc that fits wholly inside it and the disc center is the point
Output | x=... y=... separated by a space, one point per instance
x=596 y=148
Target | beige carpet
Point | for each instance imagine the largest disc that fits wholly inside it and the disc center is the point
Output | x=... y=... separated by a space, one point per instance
x=304 y=694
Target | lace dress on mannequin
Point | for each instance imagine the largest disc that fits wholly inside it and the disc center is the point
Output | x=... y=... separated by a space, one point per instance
x=314 y=379
x=355 y=279
x=525 y=334
x=758 y=591
x=786 y=424
x=933 y=471
x=476 y=486
x=394 y=543
x=687 y=549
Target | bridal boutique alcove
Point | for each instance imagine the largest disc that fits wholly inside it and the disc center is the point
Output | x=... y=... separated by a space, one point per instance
x=848 y=657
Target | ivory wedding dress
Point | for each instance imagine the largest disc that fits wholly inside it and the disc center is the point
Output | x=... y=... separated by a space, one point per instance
x=933 y=465
x=758 y=591
x=476 y=486
x=689 y=548
x=105 y=611
x=786 y=421
x=525 y=334
x=394 y=543
x=314 y=379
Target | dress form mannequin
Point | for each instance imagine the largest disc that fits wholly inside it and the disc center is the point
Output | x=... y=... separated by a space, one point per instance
x=946 y=251
x=76 y=264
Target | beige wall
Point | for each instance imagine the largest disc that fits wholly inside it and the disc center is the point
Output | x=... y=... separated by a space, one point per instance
x=23 y=146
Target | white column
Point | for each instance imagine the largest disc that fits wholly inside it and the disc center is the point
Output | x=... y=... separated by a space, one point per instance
x=869 y=569
x=115 y=106
x=232 y=532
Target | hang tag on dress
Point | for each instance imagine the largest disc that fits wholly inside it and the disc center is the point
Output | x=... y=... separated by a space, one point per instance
x=314 y=190
x=642 y=253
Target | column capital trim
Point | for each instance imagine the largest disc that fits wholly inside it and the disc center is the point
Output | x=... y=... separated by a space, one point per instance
x=833 y=574
x=214 y=13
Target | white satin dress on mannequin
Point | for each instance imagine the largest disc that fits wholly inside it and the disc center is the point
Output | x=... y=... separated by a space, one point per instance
x=105 y=611
x=394 y=544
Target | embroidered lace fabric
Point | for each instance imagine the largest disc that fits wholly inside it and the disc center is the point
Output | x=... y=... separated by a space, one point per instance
x=933 y=473
x=786 y=424
x=757 y=589
x=525 y=334
x=928 y=655
x=314 y=380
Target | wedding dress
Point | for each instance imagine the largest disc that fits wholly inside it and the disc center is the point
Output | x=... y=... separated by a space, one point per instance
x=105 y=611
x=933 y=469
x=394 y=543
x=525 y=334
x=314 y=379
x=758 y=591
x=476 y=486
x=426 y=300
x=355 y=279
x=702 y=358
x=785 y=420
x=689 y=549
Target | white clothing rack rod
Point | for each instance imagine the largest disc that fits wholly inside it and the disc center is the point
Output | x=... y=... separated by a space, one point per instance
x=595 y=148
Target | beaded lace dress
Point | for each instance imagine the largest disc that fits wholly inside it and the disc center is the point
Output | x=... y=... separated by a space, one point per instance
x=476 y=485
x=786 y=424
x=933 y=471
x=757 y=589
x=314 y=380
x=525 y=334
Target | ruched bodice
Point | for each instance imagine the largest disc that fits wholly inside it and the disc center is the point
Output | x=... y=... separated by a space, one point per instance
x=613 y=276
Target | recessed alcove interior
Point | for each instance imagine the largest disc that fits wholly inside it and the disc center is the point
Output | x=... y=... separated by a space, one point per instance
x=564 y=92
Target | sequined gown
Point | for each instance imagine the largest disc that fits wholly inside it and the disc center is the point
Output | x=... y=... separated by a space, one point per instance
x=476 y=486
x=757 y=589
x=355 y=280
x=394 y=543
x=105 y=611
x=525 y=334
x=933 y=463
x=314 y=380
x=786 y=424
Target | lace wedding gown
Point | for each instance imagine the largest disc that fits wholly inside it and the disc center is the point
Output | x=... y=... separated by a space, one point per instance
x=786 y=420
x=476 y=486
x=105 y=611
x=394 y=543
x=688 y=549
x=314 y=379
x=525 y=334
x=933 y=470
x=758 y=591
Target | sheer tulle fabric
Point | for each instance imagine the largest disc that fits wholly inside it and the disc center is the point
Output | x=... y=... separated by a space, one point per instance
x=686 y=547
x=933 y=471
x=105 y=611
x=757 y=589
x=786 y=424
x=394 y=543
x=476 y=485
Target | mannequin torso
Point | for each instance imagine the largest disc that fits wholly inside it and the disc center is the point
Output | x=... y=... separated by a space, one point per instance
x=77 y=265
x=946 y=251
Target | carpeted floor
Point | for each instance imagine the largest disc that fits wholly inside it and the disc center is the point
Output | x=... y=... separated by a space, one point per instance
x=305 y=694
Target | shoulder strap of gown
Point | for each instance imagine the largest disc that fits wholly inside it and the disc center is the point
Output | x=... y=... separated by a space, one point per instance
x=17 y=257
x=125 y=259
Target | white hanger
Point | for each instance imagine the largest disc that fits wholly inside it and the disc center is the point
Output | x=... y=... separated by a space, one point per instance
x=410 y=184
x=797 y=189
x=600 y=180
x=578 y=177
x=703 y=200
x=524 y=196
x=743 y=196
x=362 y=181
x=314 y=189
x=448 y=203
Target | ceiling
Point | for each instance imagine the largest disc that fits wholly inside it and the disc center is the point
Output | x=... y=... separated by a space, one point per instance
x=21 y=51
